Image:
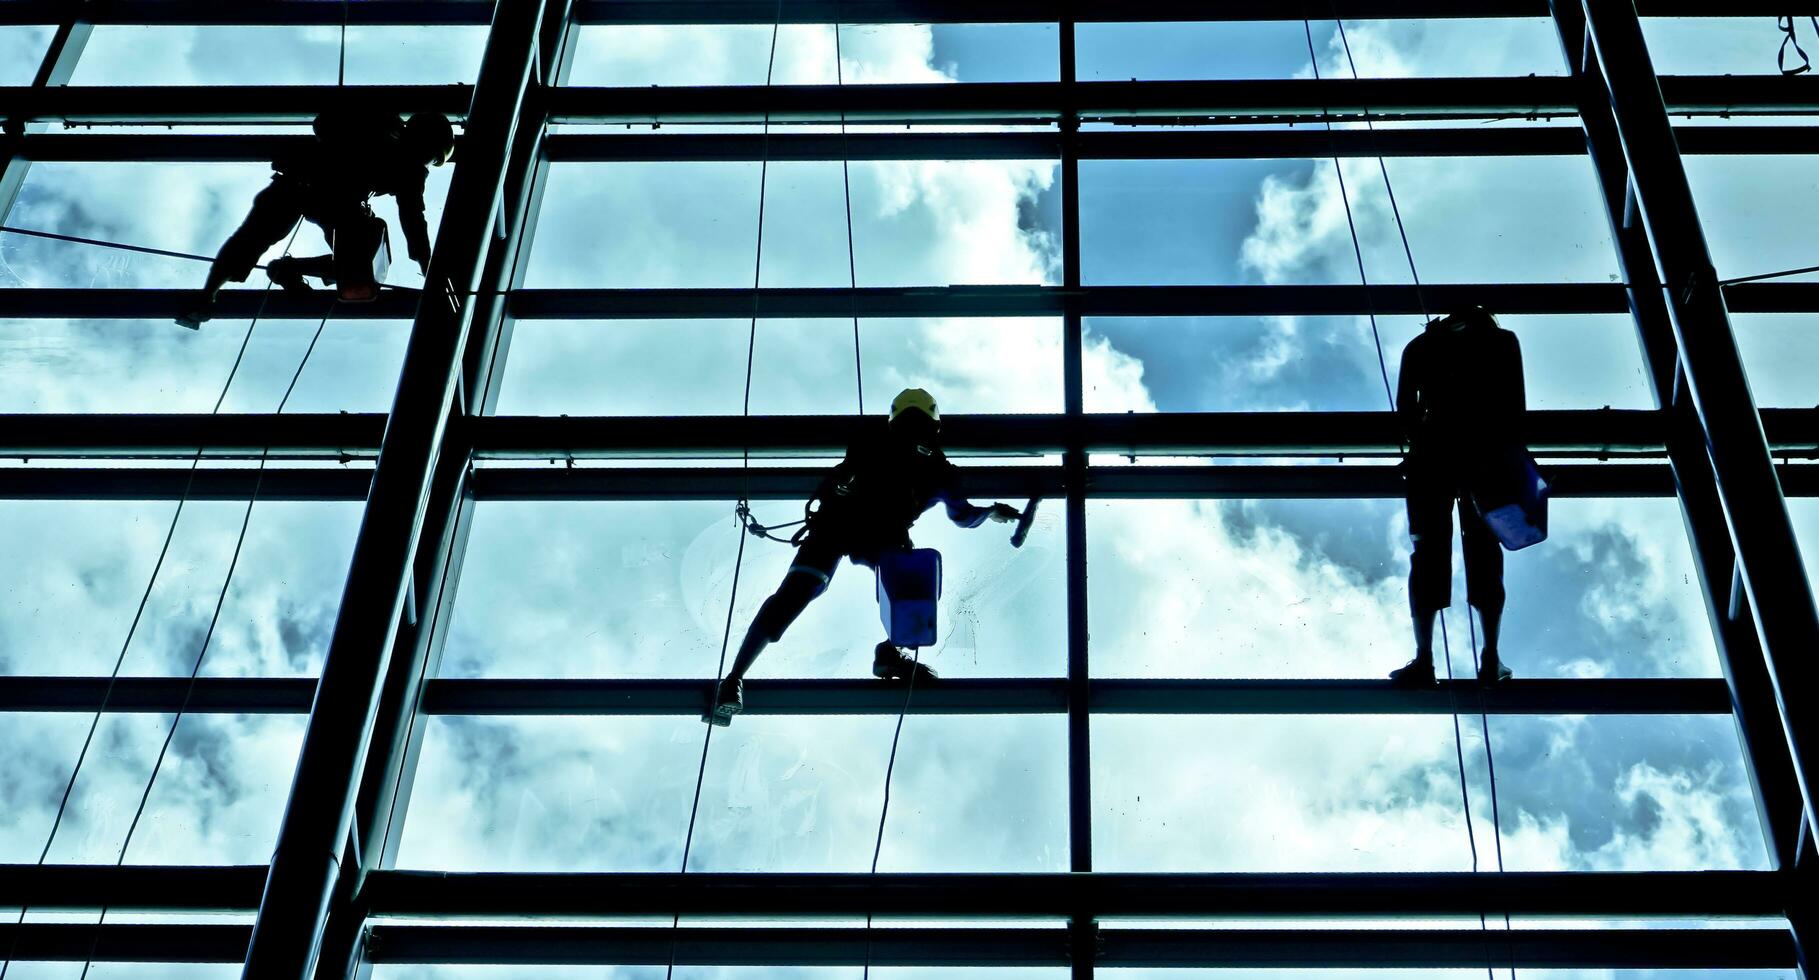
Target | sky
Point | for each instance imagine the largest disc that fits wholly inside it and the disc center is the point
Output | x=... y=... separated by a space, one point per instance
x=1178 y=588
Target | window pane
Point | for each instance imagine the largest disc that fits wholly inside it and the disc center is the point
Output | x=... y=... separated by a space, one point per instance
x=1329 y=364
x=739 y=54
x=218 y=797
x=694 y=225
x=132 y=54
x=79 y=568
x=189 y=208
x=1719 y=45
x=1278 y=49
x=1780 y=354
x=1161 y=222
x=1317 y=588
x=779 y=794
x=799 y=367
x=1380 y=793
x=1757 y=212
x=143 y=366
x=637 y=589
x=22 y=51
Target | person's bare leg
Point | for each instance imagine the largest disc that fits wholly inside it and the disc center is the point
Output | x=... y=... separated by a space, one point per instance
x=1420 y=670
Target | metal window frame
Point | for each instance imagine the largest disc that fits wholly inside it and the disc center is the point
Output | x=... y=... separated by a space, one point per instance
x=421 y=493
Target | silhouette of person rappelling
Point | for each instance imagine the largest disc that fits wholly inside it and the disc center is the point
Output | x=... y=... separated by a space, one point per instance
x=356 y=155
x=866 y=506
x=1460 y=402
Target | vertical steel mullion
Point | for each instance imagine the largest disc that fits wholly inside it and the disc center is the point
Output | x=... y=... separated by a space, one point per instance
x=59 y=63
x=1079 y=744
x=391 y=765
x=1767 y=762
x=319 y=815
x=1713 y=389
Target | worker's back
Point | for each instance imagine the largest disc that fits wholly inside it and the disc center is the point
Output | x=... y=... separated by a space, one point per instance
x=1461 y=388
x=356 y=154
x=882 y=486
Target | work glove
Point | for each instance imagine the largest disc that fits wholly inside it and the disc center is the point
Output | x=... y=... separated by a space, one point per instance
x=1005 y=513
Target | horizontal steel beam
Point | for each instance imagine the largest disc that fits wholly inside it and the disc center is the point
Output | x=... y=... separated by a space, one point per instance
x=1710 y=949
x=133 y=887
x=869 y=302
x=1702 y=894
x=1655 y=696
x=1381 y=949
x=1000 y=696
x=206 y=695
x=911 y=302
x=1595 y=433
x=327 y=13
x=1241 y=144
x=72 y=483
x=1025 y=103
x=1099 y=895
x=725 y=483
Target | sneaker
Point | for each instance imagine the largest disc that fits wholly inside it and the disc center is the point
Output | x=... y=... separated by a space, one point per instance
x=200 y=311
x=1418 y=672
x=889 y=663
x=729 y=700
x=1492 y=671
x=283 y=273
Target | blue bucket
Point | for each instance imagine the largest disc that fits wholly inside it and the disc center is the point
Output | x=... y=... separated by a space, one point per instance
x=909 y=588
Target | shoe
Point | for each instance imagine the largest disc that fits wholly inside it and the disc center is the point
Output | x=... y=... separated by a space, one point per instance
x=199 y=312
x=889 y=663
x=1492 y=671
x=729 y=700
x=1418 y=672
x=283 y=273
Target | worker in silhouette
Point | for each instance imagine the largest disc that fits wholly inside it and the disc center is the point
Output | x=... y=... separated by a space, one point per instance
x=866 y=505
x=1460 y=402
x=356 y=154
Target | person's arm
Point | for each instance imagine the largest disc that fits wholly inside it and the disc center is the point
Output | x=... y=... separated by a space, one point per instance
x=1408 y=399
x=416 y=228
x=964 y=512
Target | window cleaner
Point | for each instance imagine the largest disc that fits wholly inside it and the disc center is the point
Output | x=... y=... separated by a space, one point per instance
x=862 y=510
x=356 y=154
x=1461 y=402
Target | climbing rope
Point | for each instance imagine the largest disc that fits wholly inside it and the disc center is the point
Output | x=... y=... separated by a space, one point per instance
x=107 y=693
x=1382 y=365
x=743 y=509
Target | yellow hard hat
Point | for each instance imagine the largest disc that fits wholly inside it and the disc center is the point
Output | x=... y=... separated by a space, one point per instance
x=917 y=399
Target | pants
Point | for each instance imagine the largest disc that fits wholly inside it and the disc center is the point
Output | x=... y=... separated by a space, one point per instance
x=275 y=211
x=808 y=577
x=1434 y=488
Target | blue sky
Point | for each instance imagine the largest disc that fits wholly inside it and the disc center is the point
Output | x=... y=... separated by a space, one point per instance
x=1178 y=588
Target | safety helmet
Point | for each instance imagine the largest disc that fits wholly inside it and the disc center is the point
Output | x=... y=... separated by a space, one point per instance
x=1471 y=316
x=432 y=136
x=917 y=399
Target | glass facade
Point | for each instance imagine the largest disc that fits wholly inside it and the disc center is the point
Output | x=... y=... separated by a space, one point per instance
x=448 y=577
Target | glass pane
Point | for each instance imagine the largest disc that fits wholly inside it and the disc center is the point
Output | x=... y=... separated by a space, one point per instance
x=639 y=589
x=22 y=51
x=1329 y=364
x=218 y=797
x=1278 y=49
x=1380 y=793
x=799 y=367
x=143 y=366
x=124 y=971
x=695 y=225
x=391 y=971
x=1461 y=974
x=132 y=54
x=1162 y=222
x=193 y=207
x=1757 y=212
x=779 y=794
x=1720 y=45
x=739 y=54
x=78 y=570
x=1317 y=588
x=1780 y=353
